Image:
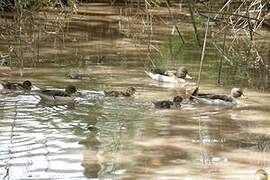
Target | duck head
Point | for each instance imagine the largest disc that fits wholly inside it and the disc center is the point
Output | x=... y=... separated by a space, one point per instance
x=70 y=89
x=236 y=92
x=177 y=100
x=131 y=90
x=27 y=85
x=182 y=72
x=261 y=174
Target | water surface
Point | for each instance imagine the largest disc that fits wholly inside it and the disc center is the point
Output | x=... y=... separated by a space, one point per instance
x=123 y=138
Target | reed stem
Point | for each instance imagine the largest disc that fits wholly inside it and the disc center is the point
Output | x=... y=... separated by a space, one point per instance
x=203 y=51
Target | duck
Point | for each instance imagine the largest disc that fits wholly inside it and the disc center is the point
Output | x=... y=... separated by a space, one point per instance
x=217 y=99
x=15 y=86
x=68 y=95
x=167 y=104
x=170 y=76
x=261 y=174
x=130 y=91
x=77 y=76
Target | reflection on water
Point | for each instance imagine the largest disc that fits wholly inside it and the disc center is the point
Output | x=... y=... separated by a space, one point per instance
x=122 y=138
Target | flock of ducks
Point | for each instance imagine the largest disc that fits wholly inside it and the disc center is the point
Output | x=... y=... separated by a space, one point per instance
x=169 y=76
x=57 y=96
x=178 y=76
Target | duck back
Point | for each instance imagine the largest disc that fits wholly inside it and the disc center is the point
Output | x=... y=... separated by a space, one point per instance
x=54 y=93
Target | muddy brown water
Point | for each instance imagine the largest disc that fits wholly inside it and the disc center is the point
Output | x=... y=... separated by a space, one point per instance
x=127 y=138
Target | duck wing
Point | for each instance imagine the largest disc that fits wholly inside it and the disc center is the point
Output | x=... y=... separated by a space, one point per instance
x=125 y=94
x=157 y=71
x=210 y=96
x=163 y=104
x=54 y=93
x=112 y=93
x=216 y=96
x=12 y=86
x=19 y=86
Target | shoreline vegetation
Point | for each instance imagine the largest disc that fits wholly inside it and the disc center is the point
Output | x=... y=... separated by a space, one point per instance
x=33 y=33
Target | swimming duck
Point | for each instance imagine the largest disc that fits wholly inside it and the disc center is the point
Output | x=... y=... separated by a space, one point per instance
x=77 y=76
x=128 y=93
x=216 y=99
x=170 y=76
x=167 y=104
x=261 y=174
x=11 y=86
x=58 y=95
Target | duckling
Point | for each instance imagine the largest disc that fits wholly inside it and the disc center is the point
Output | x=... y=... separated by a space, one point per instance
x=6 y=85
x=167 y=104
x=58 y=95
x=261 y=174
x=216 y=99
x=128 y=93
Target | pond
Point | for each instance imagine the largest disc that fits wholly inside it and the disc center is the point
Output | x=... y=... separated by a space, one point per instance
x=127 y=138
x=101 y=137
